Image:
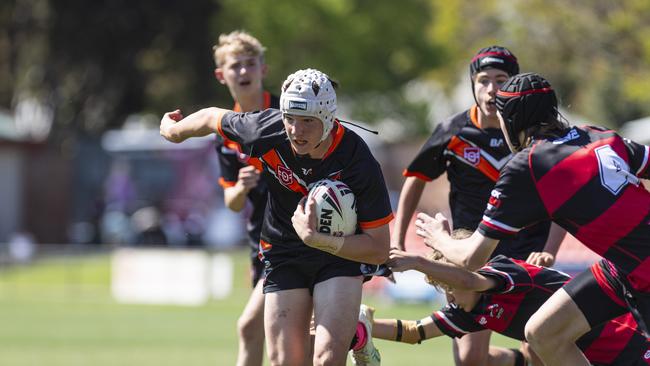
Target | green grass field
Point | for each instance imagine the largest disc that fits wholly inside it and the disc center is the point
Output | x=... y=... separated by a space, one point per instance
x=59 y=312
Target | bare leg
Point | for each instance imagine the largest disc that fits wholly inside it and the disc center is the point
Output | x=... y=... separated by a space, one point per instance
x=286 y=322
x=472 y=349
x=554 y=328
x=251 y=330
x=336 y=311
x=499 y=356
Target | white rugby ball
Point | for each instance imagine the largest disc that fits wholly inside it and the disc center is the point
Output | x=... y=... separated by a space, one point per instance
x=336 y=208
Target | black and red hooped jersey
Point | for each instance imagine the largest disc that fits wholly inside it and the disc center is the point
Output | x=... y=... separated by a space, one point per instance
x=472 y=157
x=230 y=161
x=588 y=183
x=521 y=289
x=261 y=135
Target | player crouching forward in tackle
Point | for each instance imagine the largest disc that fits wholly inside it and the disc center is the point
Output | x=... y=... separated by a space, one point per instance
x=306 y=271
x=501 y=296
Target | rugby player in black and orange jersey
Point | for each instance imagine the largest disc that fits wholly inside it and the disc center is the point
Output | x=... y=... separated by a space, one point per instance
x=305 y=270
x=239 y=59
x=586 y=179
x=471 y=149
x=502 y=296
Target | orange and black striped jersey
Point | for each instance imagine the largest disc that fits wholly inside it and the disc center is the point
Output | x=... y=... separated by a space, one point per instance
x=472 y=157
x=230 y=161
x=261 y=135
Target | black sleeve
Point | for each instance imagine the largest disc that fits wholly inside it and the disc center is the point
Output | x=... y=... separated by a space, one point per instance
x=455 y=322
x=365 y=178
x=229 y=164
x=254 y=133
x=510 y=276
x=638 y=157
x=431 y=161
x=514 y=202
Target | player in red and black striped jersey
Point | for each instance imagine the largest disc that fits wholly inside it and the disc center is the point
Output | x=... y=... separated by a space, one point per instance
x=502 y=296
x=297 y=146
x=471 y=149
x=586 y=179
x=239 y=59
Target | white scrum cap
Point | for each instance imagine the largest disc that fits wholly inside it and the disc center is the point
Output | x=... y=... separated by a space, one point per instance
x=310 y=93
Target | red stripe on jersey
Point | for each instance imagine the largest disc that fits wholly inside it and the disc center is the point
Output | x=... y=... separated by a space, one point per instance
x=604 y=285
x=611 y=341
x=257 y=163
x=458 y=146
x=561 y=182
x=451 y=327
x=338 y=136
x=616 y=222
x=408 y=173
x=376 y=223
x=272 y=159
x=525 y=92
x=644 y=164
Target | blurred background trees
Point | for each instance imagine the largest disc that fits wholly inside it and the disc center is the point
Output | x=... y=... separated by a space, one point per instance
x=89 y=65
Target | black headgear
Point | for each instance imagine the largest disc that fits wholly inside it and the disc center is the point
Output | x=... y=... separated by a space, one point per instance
x=496 y=57
x=524 y=101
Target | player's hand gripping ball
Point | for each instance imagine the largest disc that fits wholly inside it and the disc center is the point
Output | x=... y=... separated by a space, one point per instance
x=336 y=209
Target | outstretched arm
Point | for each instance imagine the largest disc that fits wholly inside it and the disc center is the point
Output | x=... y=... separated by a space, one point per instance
x=546 y=258
x=389 y=329
x=453 y=276
x=176 y=128
x=408 y=201
x=471 y=253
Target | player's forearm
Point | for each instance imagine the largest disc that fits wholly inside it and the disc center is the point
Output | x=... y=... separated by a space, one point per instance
x=235 y=197
x=197 y=124
x=408 y=201
x=555 y=237
x=451 y=275
x=366 y=248
x=389 y=329
x=470 y=253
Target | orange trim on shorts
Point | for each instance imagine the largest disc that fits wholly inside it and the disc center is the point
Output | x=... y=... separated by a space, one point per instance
x=408 y=173
x=376 y=223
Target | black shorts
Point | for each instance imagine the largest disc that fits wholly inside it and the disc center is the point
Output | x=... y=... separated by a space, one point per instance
x=304 y=268
x=257 y=270
x=600 y=292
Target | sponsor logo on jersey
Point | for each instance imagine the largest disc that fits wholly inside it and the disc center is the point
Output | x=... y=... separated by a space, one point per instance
x=285 y=175
x=572 y=135
x=306 y=171
x=647 y=355
x=482 y=321
x=494 y=201
x=496 y=142
x=472 y=155
x=295 y=104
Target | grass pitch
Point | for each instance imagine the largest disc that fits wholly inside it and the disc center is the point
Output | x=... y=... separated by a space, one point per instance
x=59 y=312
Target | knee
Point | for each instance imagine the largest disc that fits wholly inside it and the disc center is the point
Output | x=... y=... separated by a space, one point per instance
x=539 y=334
x=472 y=357
x=250 y=327
x=324 y=357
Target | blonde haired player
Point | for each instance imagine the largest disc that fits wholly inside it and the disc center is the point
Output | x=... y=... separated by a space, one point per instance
x=239 y=59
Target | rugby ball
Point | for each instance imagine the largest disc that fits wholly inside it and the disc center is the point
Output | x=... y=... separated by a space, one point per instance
x=336 y=208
